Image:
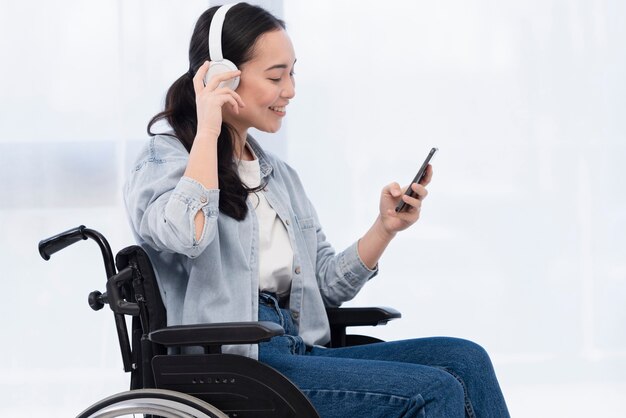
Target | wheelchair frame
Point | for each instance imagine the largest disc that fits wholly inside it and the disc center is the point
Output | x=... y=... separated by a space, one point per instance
x=212 y=384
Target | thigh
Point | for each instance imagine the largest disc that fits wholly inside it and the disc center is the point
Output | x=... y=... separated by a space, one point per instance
x=466 y=361
x=444 y=352
x=343 y=387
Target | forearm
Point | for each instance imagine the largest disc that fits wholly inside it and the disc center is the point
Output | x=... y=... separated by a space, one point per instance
x=372 y=245
x=202 y=167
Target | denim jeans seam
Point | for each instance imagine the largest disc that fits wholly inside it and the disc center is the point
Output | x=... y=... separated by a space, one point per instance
x=362 y=392
x=292 y=343
x=469 y=408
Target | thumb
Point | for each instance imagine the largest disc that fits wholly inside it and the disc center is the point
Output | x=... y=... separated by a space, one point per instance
x=394 y=189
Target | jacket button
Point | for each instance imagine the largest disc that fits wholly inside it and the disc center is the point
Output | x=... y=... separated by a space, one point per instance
x=295 y=315
x=203 y=199
x=287 y=222
x=298 y=270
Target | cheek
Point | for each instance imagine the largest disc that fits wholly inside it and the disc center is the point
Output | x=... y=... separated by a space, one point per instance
x=268 y=99
x=265 y=96
x=255 y=101
x=257 y=92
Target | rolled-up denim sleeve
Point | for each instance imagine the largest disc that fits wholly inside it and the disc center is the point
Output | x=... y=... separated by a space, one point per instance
x=162 y=205
x=179 y=215
x=341 y=275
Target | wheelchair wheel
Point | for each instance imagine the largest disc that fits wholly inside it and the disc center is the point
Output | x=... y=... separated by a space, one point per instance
x=153 y=402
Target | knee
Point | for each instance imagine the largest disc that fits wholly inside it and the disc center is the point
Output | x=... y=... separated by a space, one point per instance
x=470 y=359
x=470 y=351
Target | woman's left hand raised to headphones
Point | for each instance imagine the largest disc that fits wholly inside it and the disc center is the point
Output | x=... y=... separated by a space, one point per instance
x=210 y=99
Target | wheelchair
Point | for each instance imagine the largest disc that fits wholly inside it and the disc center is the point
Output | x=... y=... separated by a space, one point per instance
x=212 y=384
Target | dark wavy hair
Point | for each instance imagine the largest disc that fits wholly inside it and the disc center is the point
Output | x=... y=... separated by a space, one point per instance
x=243 y=25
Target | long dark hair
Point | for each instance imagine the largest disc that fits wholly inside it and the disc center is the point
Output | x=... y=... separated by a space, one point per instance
x=243 y=25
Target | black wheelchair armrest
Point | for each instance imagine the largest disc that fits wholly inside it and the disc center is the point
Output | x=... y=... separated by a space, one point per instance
x=216 y=335
x=340 y=318
x=352 y=317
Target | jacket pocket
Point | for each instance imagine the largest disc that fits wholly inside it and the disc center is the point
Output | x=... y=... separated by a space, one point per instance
x=309 y=234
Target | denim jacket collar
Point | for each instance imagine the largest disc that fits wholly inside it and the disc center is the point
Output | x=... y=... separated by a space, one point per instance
x=264 y=164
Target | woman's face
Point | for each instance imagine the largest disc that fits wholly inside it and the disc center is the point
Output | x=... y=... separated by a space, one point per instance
x=266 y=84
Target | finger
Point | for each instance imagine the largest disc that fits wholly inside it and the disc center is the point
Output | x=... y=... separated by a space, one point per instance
x=393 y=189
x=414 y=202
x=233 y=103
x=227 y=100
x=419 y=190
x=231 y=92
x=198 y=79
x=408 y=215
x=427 y=176
x=237 y=97
x=215 y=80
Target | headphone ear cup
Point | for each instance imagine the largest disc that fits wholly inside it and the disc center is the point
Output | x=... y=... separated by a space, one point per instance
x=219 y=67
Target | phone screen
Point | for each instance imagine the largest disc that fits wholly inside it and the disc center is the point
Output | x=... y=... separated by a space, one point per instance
x=418 y=177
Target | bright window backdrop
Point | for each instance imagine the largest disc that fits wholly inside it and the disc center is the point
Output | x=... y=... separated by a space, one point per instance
x=521 y=243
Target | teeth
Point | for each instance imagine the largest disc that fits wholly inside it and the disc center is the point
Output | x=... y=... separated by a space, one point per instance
x=278 y=109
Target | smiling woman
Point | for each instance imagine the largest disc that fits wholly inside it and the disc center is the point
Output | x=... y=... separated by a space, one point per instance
x=233 y=236
x=525 y=99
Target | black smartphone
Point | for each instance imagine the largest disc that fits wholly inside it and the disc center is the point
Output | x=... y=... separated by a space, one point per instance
x=418 y=177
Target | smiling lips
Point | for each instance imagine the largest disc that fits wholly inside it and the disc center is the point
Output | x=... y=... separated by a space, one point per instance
x=278 y=109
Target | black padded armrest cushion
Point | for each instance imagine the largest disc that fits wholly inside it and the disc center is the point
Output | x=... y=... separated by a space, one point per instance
x=226 y=333
x=351 y=317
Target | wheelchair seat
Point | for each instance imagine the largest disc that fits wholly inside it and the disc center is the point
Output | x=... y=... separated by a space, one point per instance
x=234 y=385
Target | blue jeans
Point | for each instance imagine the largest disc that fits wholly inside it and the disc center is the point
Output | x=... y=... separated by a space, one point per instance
x=428 y=377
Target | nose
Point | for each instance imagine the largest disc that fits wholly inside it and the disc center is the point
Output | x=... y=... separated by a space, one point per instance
x=289 y=88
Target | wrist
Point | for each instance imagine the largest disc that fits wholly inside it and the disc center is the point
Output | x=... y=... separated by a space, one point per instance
x=372 y=245
x=381 y=232
x=207 y=135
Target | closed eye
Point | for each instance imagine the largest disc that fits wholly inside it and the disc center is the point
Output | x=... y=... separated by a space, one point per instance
x=276 y=80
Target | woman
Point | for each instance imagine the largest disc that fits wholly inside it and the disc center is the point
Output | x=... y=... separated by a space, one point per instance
x=234 y=238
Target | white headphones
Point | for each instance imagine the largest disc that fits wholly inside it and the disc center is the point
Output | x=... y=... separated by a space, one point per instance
x=218 y=63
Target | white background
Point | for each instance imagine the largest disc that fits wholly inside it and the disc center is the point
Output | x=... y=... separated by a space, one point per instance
x=521 y=243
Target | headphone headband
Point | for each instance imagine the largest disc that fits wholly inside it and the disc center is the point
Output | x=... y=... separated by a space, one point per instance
x=215 y=32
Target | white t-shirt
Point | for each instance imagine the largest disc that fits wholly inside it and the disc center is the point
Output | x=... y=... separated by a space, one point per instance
x=276 y=254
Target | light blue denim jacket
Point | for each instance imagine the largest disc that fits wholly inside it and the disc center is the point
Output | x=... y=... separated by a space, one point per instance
x=216 y=278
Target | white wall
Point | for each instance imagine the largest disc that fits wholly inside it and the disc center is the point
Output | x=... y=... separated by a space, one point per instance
x=520 y=246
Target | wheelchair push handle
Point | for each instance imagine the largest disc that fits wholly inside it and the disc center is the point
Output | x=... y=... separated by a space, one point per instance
x=97 y=300
x=51 y=245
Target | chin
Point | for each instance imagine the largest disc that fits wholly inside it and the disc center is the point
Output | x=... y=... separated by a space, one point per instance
x=270 y=129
